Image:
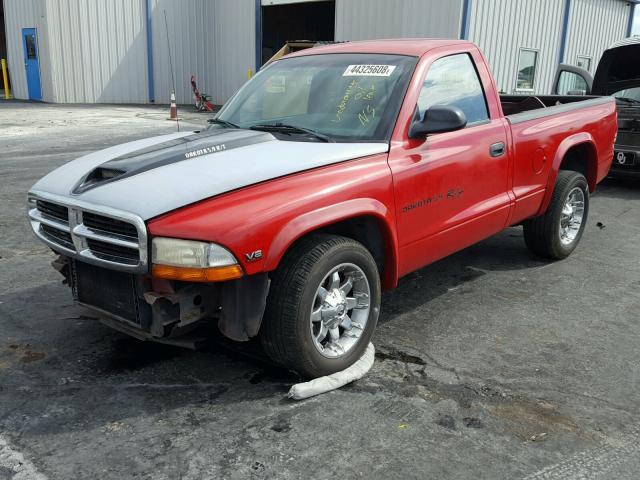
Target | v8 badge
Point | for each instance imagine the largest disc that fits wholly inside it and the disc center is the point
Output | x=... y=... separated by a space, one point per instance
x=253 y=256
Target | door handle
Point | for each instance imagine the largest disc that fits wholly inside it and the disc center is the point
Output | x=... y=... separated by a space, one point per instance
x=497 y=149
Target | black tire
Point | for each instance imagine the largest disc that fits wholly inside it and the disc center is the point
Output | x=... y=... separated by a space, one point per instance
x=285 y=333
x=542 y=234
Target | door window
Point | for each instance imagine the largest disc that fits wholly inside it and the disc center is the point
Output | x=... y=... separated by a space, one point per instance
x=527 y=69
x=31 y=47
x=453 y=80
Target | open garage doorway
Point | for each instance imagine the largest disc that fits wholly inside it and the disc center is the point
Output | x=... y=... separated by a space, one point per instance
x=284 y=20
x=3 y=47
x=3 y=37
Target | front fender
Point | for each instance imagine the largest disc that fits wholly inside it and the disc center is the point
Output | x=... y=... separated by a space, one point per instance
x=331 y=214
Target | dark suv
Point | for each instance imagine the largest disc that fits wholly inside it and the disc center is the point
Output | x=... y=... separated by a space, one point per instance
x=618 y=74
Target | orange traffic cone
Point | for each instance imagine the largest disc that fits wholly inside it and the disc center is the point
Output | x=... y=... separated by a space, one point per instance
x=173 y=109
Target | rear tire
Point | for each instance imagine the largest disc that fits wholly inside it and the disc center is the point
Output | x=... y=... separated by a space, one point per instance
x=557 y=232
x=323 y=306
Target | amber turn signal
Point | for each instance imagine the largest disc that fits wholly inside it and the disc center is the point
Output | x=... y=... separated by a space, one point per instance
x=188 y=274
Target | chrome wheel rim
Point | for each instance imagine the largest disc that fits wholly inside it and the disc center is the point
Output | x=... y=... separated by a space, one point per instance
x=572 y=216
x=340 y=310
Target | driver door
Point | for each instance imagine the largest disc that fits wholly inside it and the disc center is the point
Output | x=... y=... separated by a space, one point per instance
x=451 y=188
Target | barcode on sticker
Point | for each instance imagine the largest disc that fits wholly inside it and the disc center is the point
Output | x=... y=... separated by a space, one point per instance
x=369 y=70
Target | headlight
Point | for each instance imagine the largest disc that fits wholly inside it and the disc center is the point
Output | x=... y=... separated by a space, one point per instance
x=191 y=261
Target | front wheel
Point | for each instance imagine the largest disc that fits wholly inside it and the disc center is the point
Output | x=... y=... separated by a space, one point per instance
x=557 y=233
x=323 y=306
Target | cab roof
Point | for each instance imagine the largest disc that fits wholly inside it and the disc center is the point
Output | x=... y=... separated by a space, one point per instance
x=414 y=47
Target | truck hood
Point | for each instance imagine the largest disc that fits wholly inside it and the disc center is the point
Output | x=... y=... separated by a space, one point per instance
x=156 y=175
x=618 y=68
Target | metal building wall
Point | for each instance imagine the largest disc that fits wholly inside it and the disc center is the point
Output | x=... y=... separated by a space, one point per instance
x=593 y=26
x=97 y=50
x=502 y=27
x=21 y=14
x=371 y=19
x=213 y=39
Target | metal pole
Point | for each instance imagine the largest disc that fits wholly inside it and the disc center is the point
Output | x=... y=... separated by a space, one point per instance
x=5 y=77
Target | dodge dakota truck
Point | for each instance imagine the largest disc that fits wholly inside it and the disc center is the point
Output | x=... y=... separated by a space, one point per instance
x=328 y=176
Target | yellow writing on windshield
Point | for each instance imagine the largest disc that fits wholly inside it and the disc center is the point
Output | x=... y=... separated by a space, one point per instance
x=355 y=90
x=366 y=115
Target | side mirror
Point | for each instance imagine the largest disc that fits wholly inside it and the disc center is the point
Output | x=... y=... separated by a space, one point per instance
x=438 y=119
x=569 y=80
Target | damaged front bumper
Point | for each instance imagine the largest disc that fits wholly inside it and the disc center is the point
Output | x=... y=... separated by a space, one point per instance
x=162 y=310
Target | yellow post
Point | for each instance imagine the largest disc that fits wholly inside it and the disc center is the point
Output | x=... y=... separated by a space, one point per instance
x=5 y=77
x=249 y=74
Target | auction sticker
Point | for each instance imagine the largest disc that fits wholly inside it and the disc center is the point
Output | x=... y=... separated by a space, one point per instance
x=369 y=70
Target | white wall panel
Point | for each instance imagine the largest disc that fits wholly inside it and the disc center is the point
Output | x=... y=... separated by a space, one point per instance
x=372 y=19
x=502 y=27
x=98 y=50
x=19 y=14
x=235 y=46
x=213 y=39
x=593 y=26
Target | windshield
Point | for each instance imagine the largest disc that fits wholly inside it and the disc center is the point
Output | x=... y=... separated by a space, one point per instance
x=629 y=93
x=346 y=97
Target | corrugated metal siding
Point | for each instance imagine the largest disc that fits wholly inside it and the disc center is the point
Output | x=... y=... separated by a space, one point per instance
x=371 y=19
x=235 y=45
x=611 y=18
x=98 y=50
x=502 y=27
x=215 y=40
x=19 y=14
x=95 y=50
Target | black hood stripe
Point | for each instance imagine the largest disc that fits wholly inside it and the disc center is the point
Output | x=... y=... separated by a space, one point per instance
x=166 y=153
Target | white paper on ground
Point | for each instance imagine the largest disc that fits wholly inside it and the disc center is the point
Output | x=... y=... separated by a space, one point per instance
x=336 y=380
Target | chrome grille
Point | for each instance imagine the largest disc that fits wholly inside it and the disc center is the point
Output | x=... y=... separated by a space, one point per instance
x=109 y=225
x=101 y=236
x=116 y=253
x=51 y=209
x=57 y=236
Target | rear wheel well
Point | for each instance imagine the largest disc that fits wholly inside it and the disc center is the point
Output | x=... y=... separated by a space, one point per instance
x=582 y=159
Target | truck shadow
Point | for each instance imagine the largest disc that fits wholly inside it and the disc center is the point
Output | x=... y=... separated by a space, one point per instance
x=505 y=251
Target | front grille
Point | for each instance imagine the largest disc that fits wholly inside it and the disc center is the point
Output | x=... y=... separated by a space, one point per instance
x=56 y=211
x=109 y=225
x=114 y=253
x=58 y=236
x=117 y=240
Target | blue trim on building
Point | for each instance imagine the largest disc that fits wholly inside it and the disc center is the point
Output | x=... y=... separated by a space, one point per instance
x=565 y=30
x=258 y=34
x=632 y=14
x=151 y=87
x=466 y=19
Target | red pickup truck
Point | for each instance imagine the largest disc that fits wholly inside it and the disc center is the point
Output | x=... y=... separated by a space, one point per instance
x=331 y=174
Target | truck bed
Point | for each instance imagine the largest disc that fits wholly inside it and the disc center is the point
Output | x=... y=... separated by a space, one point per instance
x=521 y=108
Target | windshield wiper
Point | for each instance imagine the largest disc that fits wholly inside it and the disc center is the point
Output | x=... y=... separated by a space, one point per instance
x=218 y=121
x=629 y=100
x=285 y=128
